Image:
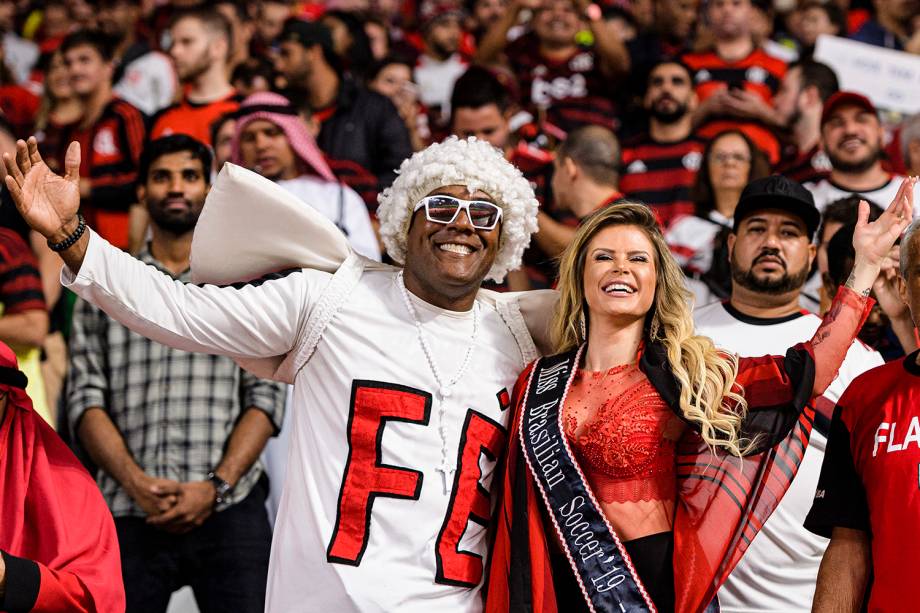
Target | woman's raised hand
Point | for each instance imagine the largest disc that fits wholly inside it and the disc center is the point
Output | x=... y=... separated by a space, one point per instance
x=872 y=241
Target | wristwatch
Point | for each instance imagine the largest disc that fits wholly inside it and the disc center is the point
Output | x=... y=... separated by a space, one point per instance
x=222 y=489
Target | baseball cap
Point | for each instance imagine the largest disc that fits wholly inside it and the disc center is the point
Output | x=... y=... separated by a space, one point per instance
x=845 y=98
x=778 y=192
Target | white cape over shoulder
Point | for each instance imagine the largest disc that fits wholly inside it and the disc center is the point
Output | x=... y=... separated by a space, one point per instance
x=251 y=227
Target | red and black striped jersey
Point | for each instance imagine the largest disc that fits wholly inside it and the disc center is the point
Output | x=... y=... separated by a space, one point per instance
x=358 y=178
x=20 y=282
x=536 y=165
x=192 y=118
x=111 y=150
x=808 y=167
x=661 y=175
x=758 y=73
x=573 y=91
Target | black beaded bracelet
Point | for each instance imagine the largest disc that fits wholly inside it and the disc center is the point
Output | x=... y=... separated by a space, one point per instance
x=70 y=240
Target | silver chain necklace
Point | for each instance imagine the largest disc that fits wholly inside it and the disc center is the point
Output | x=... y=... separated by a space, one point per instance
x=444 y=388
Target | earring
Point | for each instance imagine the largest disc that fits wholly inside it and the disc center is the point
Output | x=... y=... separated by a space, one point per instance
x=584 y=328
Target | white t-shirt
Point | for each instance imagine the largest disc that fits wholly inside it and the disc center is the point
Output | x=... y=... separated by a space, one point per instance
x=780 y=568
x=341 y=205
x=825 y=192
x=365 y=522
x=20 y=55
x=436 y=80
x=692 y=239
x=149 y=83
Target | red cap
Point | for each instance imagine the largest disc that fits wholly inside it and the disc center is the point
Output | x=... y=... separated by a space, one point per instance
x=846 y=98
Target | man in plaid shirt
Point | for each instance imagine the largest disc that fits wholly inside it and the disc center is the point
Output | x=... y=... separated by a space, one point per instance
x=176 y=435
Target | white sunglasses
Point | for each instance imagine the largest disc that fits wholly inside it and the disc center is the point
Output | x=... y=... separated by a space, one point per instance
x=445 y=209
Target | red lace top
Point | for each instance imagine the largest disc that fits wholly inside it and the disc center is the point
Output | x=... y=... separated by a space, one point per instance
x=623 y=435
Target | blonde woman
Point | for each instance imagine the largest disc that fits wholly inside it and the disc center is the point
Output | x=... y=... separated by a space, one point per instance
x=643 y=460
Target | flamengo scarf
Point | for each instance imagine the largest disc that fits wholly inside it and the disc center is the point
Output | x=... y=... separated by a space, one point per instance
x=602 y=567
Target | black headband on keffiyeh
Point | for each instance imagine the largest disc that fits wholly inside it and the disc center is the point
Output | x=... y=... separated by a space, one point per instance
x=13 y=377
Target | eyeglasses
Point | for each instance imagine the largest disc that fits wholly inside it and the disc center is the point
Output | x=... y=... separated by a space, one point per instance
x=725 y=158
x=445 y=209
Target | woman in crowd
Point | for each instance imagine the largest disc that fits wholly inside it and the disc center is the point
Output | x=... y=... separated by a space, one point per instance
x=643 y=459
x=730 y=161
x=350 y=41
x=392 y=77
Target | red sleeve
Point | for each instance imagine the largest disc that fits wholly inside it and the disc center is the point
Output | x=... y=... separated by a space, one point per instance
x=836 y=333
x=134 y=131
x=808 y=368
x=31 y=586
x=64 y=557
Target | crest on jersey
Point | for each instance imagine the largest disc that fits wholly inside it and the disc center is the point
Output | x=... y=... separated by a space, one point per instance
x=756 y=74
x=104 y=142
x=703 y=76
x=583 y=62
x=637 y=166
x=692 y=160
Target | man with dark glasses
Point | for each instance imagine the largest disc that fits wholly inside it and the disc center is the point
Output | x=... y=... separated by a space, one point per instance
x=402 y=375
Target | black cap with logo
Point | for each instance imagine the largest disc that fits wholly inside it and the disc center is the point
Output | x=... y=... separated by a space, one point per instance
x=778 y=192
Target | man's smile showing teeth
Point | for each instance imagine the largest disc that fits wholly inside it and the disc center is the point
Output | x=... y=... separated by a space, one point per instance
x=619 y=288
x=456 y=248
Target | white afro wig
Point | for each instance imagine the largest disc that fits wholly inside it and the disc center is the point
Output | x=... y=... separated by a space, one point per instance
x=477 y=165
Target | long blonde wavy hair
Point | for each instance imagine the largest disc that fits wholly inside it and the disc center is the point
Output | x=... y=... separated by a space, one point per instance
x=709 y=395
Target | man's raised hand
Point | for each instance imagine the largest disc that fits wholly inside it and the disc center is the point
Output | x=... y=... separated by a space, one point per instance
x=48 y=202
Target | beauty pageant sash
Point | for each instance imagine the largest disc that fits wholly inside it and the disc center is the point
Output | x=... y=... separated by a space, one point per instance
x=602 y=567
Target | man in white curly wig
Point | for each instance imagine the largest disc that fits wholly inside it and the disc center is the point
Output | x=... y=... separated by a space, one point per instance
x=401 y=375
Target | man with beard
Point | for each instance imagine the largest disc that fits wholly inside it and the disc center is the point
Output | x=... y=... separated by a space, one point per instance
x=802 y=94
x=176 y=435
x=143 y=76
x=853 y=138
x=356 y=124
x=771 y=253
x=110 y=133
x=201 y=47
x=439 y=65
x=483 y=14
x=660 y=167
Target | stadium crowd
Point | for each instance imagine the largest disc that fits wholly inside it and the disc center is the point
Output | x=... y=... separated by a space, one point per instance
x=715 y=114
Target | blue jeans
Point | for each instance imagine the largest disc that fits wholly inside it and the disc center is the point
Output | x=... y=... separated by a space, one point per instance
x=225 y=561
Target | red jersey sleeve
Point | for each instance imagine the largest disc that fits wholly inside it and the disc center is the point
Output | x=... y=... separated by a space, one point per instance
x=20 y=282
